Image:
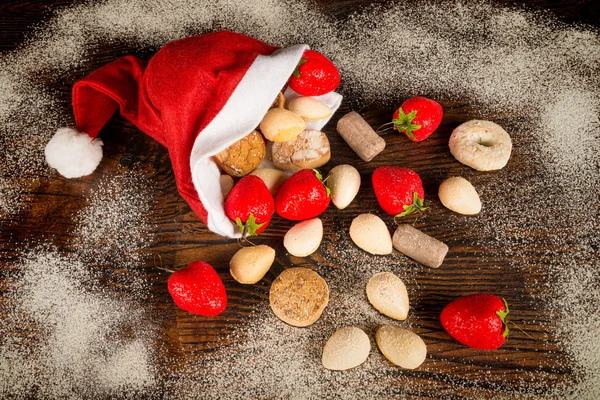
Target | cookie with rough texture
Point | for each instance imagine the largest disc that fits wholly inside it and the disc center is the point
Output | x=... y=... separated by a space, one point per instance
x=244 y=156
x=298 y=296
x=307 y=151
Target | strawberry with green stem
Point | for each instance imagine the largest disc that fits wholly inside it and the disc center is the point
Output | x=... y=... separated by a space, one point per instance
x=477 y=320
x=302 y=196
x=418 y=117
x=399 y=191
x=250 y=205
x=315 y=75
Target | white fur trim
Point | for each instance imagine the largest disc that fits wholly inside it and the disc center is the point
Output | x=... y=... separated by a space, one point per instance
x=72 y=153
x=241 y=114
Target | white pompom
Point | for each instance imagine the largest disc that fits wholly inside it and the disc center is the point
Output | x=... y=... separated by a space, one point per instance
x=73 y=154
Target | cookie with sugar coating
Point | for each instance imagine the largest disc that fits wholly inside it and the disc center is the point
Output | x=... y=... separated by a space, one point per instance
x=347 y=348
x=307 y=151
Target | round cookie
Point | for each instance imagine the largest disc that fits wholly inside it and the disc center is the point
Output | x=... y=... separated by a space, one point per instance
x=298 y=296
x=482 y=145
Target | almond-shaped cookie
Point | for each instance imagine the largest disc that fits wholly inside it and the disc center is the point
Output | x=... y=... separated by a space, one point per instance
x=347 y=348
x=387 y=293
x=369 y=232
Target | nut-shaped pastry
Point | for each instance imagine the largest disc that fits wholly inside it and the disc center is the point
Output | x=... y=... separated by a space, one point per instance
x=369 y=232
x=344 y=183
x=280 y=125
x=457 y=194
x=272 y=177
x=244 y=156
x=347 y=348
x=250 y=264
x=309 y=108
x=304 y=238
x=387 y=293
x=402 y=347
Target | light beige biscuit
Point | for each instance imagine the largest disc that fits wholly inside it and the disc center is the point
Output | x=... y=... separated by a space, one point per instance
x=298 y=296
x=482 y=145
x=307 y=151
x=400 y=346
x=347 y=348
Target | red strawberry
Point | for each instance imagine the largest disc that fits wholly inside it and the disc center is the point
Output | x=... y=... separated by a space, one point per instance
x=302 y=196
x=250 y=205
x=418 y=117
x=198 y=289
x=399 y=191
x=315 y=75
x=477 y=320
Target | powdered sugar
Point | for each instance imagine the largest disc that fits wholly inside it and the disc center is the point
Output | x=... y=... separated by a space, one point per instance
x=74 y=348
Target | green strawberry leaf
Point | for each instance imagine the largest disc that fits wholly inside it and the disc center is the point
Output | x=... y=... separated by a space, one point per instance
x=407 y=211
x=296 y=72
x=240 y=224
x=404 y=123
x=502 y=315
x=318 y=174
x=250 y=227
x=417 y=205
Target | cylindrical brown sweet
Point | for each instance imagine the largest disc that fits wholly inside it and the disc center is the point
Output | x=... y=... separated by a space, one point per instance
x=360 y=136
x=419 y=246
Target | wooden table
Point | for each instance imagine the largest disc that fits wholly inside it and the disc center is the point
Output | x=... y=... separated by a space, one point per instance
x=180 y=238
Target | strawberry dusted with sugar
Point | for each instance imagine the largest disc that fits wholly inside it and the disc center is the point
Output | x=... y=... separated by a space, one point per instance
x=302 y=196
x=477 y=320
x=198 y=289
x=418 y=117
x=250 y=205
x=315 y=75
x=399 y=191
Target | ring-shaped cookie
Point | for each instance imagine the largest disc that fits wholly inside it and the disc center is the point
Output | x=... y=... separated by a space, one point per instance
x=482 y=145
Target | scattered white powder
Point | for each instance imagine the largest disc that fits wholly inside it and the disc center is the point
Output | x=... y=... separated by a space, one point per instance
x=113 y=228
x=540 y=72
x=71 y=325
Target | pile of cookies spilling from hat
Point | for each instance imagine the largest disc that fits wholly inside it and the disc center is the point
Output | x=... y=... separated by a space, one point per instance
x=242 y=122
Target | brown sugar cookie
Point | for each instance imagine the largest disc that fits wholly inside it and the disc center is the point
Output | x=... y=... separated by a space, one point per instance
x=298 y=296
x=244 y=156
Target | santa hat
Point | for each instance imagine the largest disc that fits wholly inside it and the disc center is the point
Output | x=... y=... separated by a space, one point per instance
x=196 y=96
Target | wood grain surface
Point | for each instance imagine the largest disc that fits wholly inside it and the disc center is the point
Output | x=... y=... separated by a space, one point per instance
x=180 y=238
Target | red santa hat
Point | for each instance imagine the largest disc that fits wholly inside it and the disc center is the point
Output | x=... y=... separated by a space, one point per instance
x=196 y=96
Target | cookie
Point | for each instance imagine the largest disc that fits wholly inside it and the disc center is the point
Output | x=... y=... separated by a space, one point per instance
x=307 y=151
x=244 y=156
x=298 y=296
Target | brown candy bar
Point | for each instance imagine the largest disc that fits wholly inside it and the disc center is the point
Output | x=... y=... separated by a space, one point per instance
x=360 y=136
x=419 y=246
